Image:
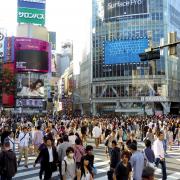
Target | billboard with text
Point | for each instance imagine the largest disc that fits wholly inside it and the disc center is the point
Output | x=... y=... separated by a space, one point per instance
x=31 y=16
x=124 y=51
x=31 y=4
x=31 y=55
x=114 y=9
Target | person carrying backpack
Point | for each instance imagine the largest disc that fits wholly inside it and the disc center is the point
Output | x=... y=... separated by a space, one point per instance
x=8 y=165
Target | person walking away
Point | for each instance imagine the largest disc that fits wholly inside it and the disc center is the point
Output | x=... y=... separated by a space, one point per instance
x=8 y=165
x=149 y=154
x=79 y=152
x=170 y=138
x=37 y=140
x=49 y=157
x=148 y=173
x=137 y=161
x=97 y=134
x=61 y=149
x=123 y=169
x=160 y=154
x=23 y=142
x=4 y=134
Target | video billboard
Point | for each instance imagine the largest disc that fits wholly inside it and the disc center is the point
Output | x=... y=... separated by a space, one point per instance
x=31 y=4
x=52 y=39
x=124 y=51
x=30 y=86
x=31 y=16
x=120 y=8
x=31 y=55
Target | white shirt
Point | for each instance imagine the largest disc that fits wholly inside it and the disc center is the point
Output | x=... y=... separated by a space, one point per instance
x=23 y=139
x=96 y=132
x=158 y=149
x=12 y=143
x=50 y=154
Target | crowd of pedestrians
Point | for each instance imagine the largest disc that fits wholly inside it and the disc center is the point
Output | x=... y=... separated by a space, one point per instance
x=66 y=145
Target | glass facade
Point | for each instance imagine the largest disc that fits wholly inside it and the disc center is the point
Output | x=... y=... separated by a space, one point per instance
x=128 y=20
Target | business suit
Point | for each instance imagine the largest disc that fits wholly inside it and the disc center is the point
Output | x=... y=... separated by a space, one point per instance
x=48 y=167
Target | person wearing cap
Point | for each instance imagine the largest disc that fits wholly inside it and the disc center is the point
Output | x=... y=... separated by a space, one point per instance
x=137 y=161
x=8 y=165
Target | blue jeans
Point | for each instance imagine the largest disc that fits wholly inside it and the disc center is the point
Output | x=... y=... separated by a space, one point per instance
x=163 y=167
x=165 y=145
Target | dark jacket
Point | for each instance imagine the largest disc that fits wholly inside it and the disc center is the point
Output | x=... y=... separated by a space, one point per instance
x=115 y=157
x=4 y=135
x=44 y=157
x=8 y=165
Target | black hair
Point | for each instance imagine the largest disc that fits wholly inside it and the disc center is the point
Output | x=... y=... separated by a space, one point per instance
x=89 y=148
x=133 y=146
x=69 y=149
x=148 y=172
x=114 y=142
x=147 y=143
x=83 y=173
x=65 y=138
x=77 y=141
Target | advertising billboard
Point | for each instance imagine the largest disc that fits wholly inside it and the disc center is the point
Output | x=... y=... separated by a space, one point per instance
x=31 y=55
x=124 y=51
x=9 y=50
x=30 y=86
x=121 y=8
x=2 y=39
x=35 y=1
x=29 y=4
x=29 y=103
x=31 y=16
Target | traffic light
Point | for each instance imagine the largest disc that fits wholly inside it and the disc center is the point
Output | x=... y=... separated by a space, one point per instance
x=151 y=55
x=172 y=39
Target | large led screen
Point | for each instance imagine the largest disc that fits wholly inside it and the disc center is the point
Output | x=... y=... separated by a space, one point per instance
x=30 y=86
x=31 y=55
x=120 y=8
x=124 y=51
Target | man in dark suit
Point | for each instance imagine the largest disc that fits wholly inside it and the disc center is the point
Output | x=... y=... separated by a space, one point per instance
x=49 y=158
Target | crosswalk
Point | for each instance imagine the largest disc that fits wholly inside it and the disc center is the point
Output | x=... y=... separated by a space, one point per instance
x=102 y=165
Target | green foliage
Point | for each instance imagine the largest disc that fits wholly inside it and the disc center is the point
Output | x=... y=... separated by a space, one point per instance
x=7 y=82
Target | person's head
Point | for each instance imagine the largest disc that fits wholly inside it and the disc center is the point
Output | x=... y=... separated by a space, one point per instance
x=89 y=149
x=132 y=147
x=38 y=127
x=114 y=144
x=132 y=136
x=70 y=152
x=48 y=142
x=148 y=173
x=85 y=161
x=37 y=84
x=25 y=129
x=6 y=128
x=77 y=141
x=160 y=135
x=125 y=156
x=150 y=130
x=65 y=138
x=147 y=143
x=6 y=144
x=11 y=135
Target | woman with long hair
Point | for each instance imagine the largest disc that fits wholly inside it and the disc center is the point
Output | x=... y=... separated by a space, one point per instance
x=86 y=170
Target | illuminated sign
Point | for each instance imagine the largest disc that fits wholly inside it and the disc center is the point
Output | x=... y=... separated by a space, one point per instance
x=35 y=1
x=120 y=8
x=124 y=51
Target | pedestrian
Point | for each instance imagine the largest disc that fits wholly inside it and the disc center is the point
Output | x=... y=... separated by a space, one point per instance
x=23 y=143
x=49 y=159
x=160 y=154
x=8 y=165
x=137 y=161
x=4 y=134
x=148 y=173
x=123 y=169
x=69 y=165
x=97 y=134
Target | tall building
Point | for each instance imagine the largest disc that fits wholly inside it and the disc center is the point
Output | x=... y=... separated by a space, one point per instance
x=121 y=29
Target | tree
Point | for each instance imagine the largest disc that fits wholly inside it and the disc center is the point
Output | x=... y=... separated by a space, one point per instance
x=7 y=82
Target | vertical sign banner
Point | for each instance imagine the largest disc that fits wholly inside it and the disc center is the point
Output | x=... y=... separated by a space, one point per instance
x=9 y=50
x=52 y=39
x=2 y=39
